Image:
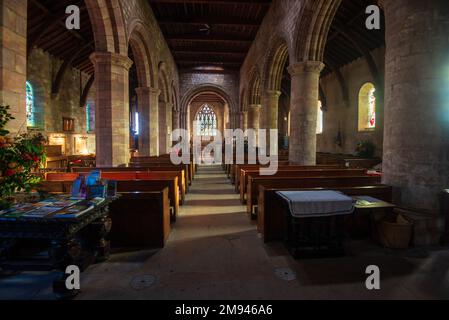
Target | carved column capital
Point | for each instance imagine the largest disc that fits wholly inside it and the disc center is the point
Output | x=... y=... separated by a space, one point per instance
x=305 y=67
x=111 y=58
x=273 y=94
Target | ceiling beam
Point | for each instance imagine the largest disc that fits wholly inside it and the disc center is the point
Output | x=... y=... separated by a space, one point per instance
x=210 y=50
x=58 y=17
x=65 y=66
x=228 y=70
x=364 y=51
x=220 y=2
x=208 y=38
x=211 y=20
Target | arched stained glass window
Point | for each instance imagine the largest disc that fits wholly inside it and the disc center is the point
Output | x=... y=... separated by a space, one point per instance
x=320 y=118
x=30 y=105
x=367 y=107
x=206 y=122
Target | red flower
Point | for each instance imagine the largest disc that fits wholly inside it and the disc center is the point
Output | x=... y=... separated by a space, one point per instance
x=36 y=159
x=10 y=172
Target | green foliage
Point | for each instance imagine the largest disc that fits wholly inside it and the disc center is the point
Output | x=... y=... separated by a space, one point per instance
x=20 y=158
x=366 y=149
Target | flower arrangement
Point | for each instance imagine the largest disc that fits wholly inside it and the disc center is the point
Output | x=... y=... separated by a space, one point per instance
x=366 y=149
x=20 y=158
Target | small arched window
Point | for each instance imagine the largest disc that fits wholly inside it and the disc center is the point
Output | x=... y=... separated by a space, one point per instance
x=320 y=118
x=367 y=107
x=30 y=105
x=206 y=122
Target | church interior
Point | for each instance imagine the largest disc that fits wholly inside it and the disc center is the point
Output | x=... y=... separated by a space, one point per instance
x=354 y=95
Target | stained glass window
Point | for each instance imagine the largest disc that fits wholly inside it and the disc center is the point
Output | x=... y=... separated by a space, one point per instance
x=30 y=105
x=320 y=119
x=367 y=107
x=90 y=118
x=206 y=121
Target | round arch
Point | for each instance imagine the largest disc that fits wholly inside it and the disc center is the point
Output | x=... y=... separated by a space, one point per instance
x=108 y=26
x=163 y=83
x=204 y=89
x=253 y=94
x=139 y=43
x=275 y=65
x=313 y=27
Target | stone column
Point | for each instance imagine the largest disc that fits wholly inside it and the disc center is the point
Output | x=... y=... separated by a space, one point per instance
x=254 y=119
x=416 y=122
x=271 y=102
x=243 y=120
x=162 y=128
x=168 y=125
x=176 y=120
x=304 y=100
x=111 y=108
x=148 y=117
x=253 y=116
x=13 y=61
x=143 y=102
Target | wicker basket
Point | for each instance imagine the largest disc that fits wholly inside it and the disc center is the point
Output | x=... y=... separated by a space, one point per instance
x=397 y=234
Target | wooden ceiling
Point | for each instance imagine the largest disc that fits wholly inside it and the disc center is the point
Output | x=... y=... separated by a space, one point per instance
x=47 y=30
x=204 y=35
x=349 y=39
x=210 y=35
x=208 y=97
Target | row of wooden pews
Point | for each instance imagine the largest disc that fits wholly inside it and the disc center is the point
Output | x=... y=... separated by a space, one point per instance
x=151 y=191
x=259 y=191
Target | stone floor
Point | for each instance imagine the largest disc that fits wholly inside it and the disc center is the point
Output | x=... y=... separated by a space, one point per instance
x=214 y=252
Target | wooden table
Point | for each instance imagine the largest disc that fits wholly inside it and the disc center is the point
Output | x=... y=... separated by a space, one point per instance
x=376 y=210
x=69 y=241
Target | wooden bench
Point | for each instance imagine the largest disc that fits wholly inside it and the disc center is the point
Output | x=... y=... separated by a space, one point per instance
x=316 y=171
x=242 y=180
x=180 y=171
x=126 y=182
x=235 y=169
x=304 y=182
x=141 y=219
x=271 y=219
x=163 y=160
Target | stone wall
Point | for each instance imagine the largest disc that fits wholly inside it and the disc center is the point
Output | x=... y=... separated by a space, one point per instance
x=13 y=49
x=278 y=27
x=343 y=116
x=229 y=82
x=50 y=111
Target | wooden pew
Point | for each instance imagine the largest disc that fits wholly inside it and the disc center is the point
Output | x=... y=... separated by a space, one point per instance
x=162 y=164
x=305 y=182
x=271 y=218
x=242 y=180
x=141 y=219
x=180 y=171
x=237 y=168
x=126 y=182
x=163 y=159
x=300 y=172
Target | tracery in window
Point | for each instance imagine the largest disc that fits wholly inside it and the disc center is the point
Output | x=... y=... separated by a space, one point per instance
x=206 y=121
x=30 y=105
x=367 y=107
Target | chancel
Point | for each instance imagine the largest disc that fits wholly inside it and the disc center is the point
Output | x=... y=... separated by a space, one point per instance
x=106 y=193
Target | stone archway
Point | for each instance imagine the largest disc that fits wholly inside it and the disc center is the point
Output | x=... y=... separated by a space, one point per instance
x=198 y=90
x=112 y=66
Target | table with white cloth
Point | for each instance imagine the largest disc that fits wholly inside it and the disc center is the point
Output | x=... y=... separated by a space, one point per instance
x=315 y=221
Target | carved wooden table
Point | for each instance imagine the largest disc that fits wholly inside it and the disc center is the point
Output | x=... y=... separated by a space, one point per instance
x=77 y=241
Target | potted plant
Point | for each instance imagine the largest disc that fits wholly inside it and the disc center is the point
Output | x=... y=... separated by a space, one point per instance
x=366 y=149
x=20 y=158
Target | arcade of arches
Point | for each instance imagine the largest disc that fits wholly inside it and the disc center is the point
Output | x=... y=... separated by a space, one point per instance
x=119 y=86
